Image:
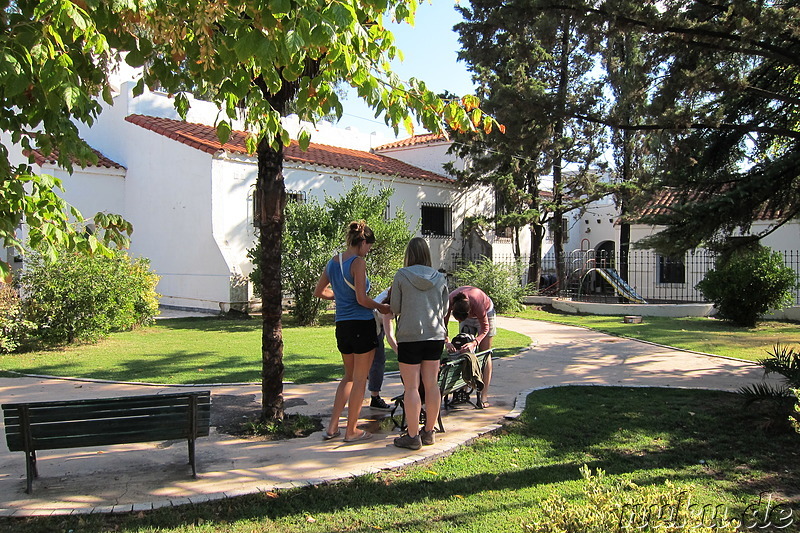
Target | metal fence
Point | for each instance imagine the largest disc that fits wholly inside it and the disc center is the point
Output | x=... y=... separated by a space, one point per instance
x=595 y=276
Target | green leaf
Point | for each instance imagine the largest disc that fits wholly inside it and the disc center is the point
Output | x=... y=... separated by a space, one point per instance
x=5 y=272
x=247 y=44
x=294 y=42
x=251 y=143
x=304 y=140
x=223 y=131
x=342 y=15
x=107 y=97
x=135 y=58
x=138 y=89
x=401 y=12
x=280 y=8
x=72 y=96
x=293 y=70
x=182 y=105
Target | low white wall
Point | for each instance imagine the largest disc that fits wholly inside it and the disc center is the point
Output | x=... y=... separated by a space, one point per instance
x=790 y=313
x=593 y=308
x=668 y=310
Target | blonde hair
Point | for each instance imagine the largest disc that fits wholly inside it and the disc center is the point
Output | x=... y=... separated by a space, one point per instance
x=358 y=232
x=417 y=253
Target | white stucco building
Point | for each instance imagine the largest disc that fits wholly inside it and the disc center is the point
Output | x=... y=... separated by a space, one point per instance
x=190 y=198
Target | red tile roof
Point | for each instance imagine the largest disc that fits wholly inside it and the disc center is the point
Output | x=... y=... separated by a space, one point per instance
x=204 y=138
x=416 y=140
x=663 y=201
x=102 y=161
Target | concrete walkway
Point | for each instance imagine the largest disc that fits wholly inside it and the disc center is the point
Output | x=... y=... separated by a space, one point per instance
x=136 y=477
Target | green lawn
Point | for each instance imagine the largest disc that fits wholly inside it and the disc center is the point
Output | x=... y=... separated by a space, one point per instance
x=497 y=484
x=706 y=335
x=206 y=350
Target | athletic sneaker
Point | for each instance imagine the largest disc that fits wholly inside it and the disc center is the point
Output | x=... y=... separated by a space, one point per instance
x=427 y=437
x=407 y=441
x=377 y=403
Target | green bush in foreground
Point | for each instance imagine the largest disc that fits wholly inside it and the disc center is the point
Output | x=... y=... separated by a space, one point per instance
x=624 y=506
x=81 y=297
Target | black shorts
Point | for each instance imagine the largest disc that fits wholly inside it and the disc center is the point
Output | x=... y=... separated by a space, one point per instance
x=413 y=353
x=356 y=336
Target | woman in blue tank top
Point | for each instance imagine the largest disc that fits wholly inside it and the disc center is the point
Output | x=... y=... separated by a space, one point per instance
x=344 y=280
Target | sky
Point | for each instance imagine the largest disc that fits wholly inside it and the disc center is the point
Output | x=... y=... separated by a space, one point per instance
x=430 y=50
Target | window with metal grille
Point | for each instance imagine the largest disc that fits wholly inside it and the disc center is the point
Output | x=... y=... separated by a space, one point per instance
x=437 y=220
x=671 y=269
x=551 y=230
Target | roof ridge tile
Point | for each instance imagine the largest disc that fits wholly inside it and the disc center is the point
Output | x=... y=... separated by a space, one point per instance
x=204 y=138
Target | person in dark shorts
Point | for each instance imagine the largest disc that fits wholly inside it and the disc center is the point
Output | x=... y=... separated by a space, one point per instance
x=344 y=280
x=419 y=300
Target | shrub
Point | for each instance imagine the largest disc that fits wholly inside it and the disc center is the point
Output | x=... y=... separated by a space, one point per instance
x=14 y=329
x=747 y=283
x=83 y=297
x=314 y=232
x=392 y=232
x=624 y=507
x=500 y=281
x=308 y=243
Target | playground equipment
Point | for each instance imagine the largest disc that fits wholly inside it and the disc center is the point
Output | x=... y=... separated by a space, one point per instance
x=586 y=266
x=619 y=285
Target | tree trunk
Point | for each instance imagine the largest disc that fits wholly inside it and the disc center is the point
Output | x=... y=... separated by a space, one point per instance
x=558 y=134
x=625 y=227
x=271 y=200
x=535 y=258
x=624 y=248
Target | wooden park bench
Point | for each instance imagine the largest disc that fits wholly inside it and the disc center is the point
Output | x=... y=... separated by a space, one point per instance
x=452 y=387
x=35 y=426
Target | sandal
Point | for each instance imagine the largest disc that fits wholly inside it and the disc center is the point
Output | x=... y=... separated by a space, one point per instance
x=329 y=436
x=365 y=435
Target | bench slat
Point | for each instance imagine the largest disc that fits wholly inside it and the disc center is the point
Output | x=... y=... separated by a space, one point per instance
x=85 y=441
x=118 y=403
x=152 y=427
x=45 y=414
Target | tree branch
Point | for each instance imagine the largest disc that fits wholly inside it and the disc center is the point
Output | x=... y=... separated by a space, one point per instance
x=748 y=128
x=759 y=48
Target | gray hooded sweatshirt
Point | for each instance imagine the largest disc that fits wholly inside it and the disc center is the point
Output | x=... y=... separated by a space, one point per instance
x=419 y=301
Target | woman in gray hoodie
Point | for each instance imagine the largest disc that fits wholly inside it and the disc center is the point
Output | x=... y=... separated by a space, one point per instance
x=419 y=299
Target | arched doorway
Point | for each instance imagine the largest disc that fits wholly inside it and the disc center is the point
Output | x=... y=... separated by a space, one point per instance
x=604 y=254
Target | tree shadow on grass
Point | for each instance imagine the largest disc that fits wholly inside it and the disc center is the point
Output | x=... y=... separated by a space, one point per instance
x=646 y=434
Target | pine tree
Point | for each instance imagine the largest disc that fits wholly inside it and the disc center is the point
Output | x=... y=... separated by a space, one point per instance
x=628 y=69
x=725 y=103
x=533 y=68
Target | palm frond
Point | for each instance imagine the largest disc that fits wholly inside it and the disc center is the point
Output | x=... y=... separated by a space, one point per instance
x=785 y=361
x=764 y=391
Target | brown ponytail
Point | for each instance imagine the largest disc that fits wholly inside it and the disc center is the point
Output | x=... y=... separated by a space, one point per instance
x=358 y=232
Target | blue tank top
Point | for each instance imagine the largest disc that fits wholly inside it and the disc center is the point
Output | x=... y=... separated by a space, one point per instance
x=347 y=307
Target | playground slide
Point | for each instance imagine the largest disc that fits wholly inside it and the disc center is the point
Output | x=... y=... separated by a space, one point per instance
x=620 y=285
